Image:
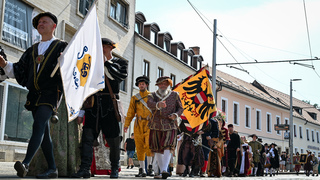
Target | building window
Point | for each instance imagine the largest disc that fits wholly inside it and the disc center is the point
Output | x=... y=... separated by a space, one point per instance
x=224 y=107
x=153 y=37
x=146 y=67
x=269 y=122
x=318 y=137
x=236 y=113
x=84 y=6
x=295 y=150
x=294 y=131
x=248 y=116
x=179 y=54
x=123 y=85
x=198 y=65
x=167 y=45
x=160 y=72
x=312 y=135
x=301 y=151
x=189 y=60
x=278 y=122
x=258 y=119
x=19 y=121
x=118 y=11
x=173 y=78
x=16 y=28
x=137 y=27
x=307 y=131
x=300 y=132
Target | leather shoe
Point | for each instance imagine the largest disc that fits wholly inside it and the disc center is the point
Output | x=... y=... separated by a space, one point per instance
x=50 y=174
x=114 y=173
x=81 y=174
x=21 y=168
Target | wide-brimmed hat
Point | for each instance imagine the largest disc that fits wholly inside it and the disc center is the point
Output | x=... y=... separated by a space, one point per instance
x=266 y=144
x=35 y=20
x=108 y=41
x=273 y=144
x=162 y=79
x=253 y=135
x=142 y=79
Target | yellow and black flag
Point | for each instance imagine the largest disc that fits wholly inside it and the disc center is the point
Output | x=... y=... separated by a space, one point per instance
x=197 y=100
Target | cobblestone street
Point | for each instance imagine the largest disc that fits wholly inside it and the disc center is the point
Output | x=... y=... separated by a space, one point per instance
x=7 y=172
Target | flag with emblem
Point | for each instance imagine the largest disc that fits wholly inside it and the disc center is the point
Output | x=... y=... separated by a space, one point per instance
x=197 y=100
x=81 y=64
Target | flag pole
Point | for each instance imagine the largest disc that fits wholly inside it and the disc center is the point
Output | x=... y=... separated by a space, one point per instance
x=58 y=64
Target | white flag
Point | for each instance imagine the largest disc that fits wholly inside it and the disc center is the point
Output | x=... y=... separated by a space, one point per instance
x=81 y=64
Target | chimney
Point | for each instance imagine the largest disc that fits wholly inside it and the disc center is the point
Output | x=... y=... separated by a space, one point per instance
x=196 y=50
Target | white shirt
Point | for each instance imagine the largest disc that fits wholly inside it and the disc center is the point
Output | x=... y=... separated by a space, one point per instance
x=42 y=47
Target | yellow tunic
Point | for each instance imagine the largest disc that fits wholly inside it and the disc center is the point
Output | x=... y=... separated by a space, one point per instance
x=141 y=129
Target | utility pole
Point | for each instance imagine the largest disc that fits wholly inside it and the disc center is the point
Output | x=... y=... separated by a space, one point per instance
x=214 y=61
x=291 y=126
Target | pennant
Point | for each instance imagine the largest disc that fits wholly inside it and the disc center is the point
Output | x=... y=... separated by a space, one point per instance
x=197 y=100
x=81 y=64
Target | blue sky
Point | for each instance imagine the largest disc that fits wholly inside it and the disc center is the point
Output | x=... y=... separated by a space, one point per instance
x=251 y=29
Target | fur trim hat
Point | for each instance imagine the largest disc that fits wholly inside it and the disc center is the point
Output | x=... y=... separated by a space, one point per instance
x=164 y=78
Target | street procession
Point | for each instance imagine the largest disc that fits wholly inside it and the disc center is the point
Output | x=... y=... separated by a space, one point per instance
x=95 y=89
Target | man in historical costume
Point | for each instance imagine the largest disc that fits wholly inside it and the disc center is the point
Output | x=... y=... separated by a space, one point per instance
x=256 y=149
x=191 y=154
x=166 y=107
x=216 y=143
x=308 y=165
x=33 y=72
x=138 y=108
x=274 y=158
x=226 y=139
x=102 y=115
x=233 y=149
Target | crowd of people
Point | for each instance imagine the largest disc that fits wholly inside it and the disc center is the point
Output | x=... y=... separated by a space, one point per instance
x=213 y=151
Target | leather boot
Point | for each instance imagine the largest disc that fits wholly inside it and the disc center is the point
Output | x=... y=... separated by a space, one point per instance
x=150 y=171
x=86 y=154
x=82 y=173
x=141 y=173
x=114 y=173
x=114 y=144
x=186 y=172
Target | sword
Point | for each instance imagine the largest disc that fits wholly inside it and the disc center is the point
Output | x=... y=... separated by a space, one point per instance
x=197 y=143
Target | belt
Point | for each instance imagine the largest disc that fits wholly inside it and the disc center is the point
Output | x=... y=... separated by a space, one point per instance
x=140 y=118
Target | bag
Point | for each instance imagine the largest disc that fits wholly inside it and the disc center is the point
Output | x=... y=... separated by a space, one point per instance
x=118 y=110
x=89 y=102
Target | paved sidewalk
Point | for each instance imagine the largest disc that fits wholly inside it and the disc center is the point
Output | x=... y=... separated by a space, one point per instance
x=7 y=172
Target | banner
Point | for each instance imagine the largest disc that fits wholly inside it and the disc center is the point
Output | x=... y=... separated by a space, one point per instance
x=81 y=64
x=197 y=100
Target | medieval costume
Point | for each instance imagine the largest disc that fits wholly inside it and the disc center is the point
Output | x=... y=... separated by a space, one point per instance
x=256 y=148
x=66 y=141
x=190 y=155
x=215 y=141
x=274 y=158
x=234 y=156
x=296 y=162
x=166 y=107
x=138 y=108
x=226 y=139
x=245 y=161
x=33 y=71
x=102 y=117
x=308 y=164
x=180 y=168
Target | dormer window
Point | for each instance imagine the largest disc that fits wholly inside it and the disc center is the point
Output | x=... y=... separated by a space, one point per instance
x=199 y=64
x=137 y=27
x=189 y=60
x=167 y=45
x=179 y=54
x=313 y=115
x=298 y=109
x=153 y=37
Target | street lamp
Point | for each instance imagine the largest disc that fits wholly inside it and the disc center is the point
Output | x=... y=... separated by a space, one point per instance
x=291 y=126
